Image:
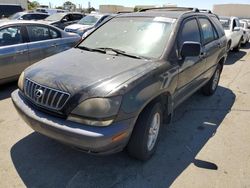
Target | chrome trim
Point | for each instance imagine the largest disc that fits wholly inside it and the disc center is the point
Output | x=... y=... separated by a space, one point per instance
x=51 y=99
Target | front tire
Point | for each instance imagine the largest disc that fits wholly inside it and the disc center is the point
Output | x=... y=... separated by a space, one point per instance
x=210 y=88
x=145 y=136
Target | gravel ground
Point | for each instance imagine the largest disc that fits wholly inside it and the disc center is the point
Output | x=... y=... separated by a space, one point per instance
x=207 y=145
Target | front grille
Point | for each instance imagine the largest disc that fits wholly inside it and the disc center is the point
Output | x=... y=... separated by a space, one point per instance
x=45 y=96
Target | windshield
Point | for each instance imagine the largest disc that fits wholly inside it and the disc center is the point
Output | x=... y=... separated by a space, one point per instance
x=55 y=17
x=88 y=20
x=225 y=23
x=145 y=37
x=16 y=16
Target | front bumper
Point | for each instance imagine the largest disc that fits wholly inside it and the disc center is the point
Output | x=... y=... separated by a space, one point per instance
x=96 y=140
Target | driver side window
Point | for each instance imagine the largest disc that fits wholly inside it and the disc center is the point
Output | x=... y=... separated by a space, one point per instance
x=190 y=32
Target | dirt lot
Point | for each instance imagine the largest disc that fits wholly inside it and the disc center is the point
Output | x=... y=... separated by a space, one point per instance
x=207 y=145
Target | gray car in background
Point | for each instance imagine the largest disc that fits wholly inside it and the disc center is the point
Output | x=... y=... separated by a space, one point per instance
x=23 y=43
x=87 y=23
x=28 y=16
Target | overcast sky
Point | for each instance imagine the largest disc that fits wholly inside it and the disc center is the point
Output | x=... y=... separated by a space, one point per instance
x=206 y=4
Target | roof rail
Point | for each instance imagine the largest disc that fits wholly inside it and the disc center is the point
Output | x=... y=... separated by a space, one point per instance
x=206 y=11
x=171 y=9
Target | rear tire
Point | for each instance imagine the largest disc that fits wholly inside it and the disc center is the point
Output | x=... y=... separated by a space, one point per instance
x=145 y=136
x=210 y=88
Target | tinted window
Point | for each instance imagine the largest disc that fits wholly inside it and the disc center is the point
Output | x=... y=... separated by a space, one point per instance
x=218 y=26
x=10 y=36
x=8 y=10
x=38 y=33
x=208 y=31
x=41 y=16
x=77 y=16
x=28 y=17
x=234 y=24
x=237 y=23
x=190 y=32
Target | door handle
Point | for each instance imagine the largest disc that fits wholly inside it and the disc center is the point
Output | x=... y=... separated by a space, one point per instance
x=203 y=55
x=219 y=45
x=54 y=45
x=21 y=51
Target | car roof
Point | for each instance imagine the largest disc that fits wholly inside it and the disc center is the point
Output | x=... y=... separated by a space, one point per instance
x=4 y=22
x=175 y=12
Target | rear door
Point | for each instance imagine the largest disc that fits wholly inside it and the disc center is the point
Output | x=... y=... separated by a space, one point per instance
x=211 y=44
x=43 y=42
x=14 y=52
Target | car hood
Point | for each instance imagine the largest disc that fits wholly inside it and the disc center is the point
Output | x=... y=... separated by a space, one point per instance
x=47 y=22
x=77 y=71
x=78 y=26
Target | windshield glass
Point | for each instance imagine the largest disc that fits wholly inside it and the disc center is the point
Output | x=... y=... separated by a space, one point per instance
x=145 y=37
x=55 y=17
x=88 y=20
x=225 y=23
x=16 y=16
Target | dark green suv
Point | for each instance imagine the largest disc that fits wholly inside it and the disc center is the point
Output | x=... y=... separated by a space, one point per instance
x=116 y=88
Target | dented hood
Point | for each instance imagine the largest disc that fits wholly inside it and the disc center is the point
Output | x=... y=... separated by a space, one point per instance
x=77 y=70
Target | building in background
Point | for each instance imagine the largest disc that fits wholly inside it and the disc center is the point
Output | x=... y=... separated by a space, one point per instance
x=23 y=3
x=238 y=10
x=114 y=9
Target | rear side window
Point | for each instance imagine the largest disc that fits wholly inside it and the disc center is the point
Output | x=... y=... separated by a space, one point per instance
x=209 y=33
x=40 y=16
x=190 y=32
x=77 y=16
x=54 y=34
x=10 y=36
x=38 y=33
x=218 y=26
x=28 y=17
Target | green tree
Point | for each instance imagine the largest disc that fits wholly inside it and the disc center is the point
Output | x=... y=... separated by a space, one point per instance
x=33 y=5
x=91 y=9
x=68 y=3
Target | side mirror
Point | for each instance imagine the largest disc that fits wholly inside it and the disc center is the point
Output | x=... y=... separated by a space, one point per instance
x=190 y=49
x=236 y=29
x=64 y=20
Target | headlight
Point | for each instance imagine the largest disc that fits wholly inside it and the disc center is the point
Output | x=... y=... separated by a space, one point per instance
x=21 y=81
x=96 y=111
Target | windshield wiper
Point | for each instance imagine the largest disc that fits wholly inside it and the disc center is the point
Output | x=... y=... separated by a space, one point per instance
x=120 y=52
x=91 y=49
x=116 y=51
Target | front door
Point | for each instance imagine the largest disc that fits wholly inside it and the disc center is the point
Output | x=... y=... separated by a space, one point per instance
x=191 y=68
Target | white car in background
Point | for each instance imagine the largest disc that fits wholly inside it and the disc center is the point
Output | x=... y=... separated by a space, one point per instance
x=87 y=23
x=233 y=31
x=245 y=25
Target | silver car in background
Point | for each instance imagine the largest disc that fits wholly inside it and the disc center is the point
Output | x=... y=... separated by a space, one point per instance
x=245 y=25
x=23 y=43
x=87 y=23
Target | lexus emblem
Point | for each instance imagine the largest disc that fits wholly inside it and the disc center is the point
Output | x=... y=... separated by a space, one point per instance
x=38 y=93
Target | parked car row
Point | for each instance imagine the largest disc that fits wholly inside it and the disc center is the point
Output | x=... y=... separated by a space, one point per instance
x=119 y=85
x=23 y=43
x=237 y=32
